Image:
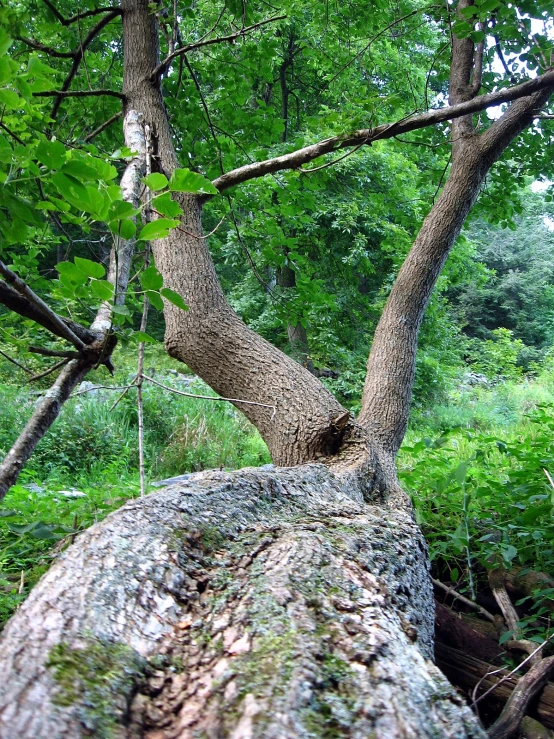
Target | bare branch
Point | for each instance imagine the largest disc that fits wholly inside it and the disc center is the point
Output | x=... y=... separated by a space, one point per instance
x=14 y=361
x=89 y=13
x=25 y=290
x=296 y=159
x=78 y=55
x=528 y=687
x=102 y=127
x=78 y=94
x=162 y=67
x=79 y=16
x=46 y=49
x=19 y=304
x=463 y=599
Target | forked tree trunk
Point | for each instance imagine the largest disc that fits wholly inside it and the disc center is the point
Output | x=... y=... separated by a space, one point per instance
x=275 y=603
x=263 y=603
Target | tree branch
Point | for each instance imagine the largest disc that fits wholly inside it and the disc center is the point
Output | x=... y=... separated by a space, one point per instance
x=102 y=127
x=25 y=290
x=17 y=303
x=78 y=94
x=78 y=55
x=46 y=49
x=79 y=16
x=295 y=159
x=162 y=67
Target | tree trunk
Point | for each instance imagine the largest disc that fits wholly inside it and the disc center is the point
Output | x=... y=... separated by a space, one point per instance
x=260 y=603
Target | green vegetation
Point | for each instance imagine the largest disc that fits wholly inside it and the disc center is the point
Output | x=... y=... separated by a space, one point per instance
x=87 y=465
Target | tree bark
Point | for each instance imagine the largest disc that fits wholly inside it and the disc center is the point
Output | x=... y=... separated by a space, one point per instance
x=260 y=603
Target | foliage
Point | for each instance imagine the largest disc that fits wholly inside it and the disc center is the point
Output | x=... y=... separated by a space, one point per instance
x=482 y=496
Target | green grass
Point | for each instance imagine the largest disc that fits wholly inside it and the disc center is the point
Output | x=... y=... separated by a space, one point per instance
x=93 y=450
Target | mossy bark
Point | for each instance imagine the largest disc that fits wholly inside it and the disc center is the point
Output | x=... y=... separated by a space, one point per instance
x=260 y=603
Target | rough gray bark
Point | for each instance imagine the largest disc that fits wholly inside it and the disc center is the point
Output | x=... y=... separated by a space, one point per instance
x=261 y=603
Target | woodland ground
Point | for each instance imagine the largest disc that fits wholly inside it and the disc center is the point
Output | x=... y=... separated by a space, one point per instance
x=474 y=464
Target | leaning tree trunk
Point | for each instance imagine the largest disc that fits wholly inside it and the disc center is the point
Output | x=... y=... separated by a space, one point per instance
x=260 y=603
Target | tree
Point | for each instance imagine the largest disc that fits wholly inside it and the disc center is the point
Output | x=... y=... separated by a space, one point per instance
x=296 y=600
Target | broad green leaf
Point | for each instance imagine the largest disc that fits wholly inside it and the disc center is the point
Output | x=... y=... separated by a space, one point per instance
x=80 y=170
x=51 y=153
x=102 y=289
x=155 y=181
x=9 y=98
x=5 y=41
x=90 y=268
x=183 y=180
x=151 y=279
x=121 y=310
x=125 y=229
x=174 y=298
x=158 y=229
x=145 y=338
x=155 y=300
x=163 y=204
x=70 y=274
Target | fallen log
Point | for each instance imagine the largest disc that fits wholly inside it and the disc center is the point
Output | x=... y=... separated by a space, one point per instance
x=466 y=671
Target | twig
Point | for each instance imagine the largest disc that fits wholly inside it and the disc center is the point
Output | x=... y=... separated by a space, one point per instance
x=49 y=371
x=210 y=397
x=511 y=673
x=99 y=387
x=14 y=361
x=463 y=599
x=21 y=582
x=102 y=127
x=79 y=93
x=123 y=394
x=162 y=67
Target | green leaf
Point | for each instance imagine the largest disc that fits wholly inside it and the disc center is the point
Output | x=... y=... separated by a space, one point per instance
x=145 y=338
x=9 y=98
x=163 y=204
x=155 y=181
x=158 y=229
x=71 y=275
x=151 y=279
x=90 y=268
x=506 y=636
x=125 y=229
x=183 y=180
x=5 y=41
x=102 y=289
x=80 y=170
x=461 y=472
x=121 y=310
x=155 y=300
x=174 y=298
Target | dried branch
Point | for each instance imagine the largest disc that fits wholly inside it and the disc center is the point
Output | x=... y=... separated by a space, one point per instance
x=162 y=67
x=296 y=159
x=93 y=134
x=49 y=371
x=528 y=687
x=208 y=397
x=14 y=361
x=463 y=599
